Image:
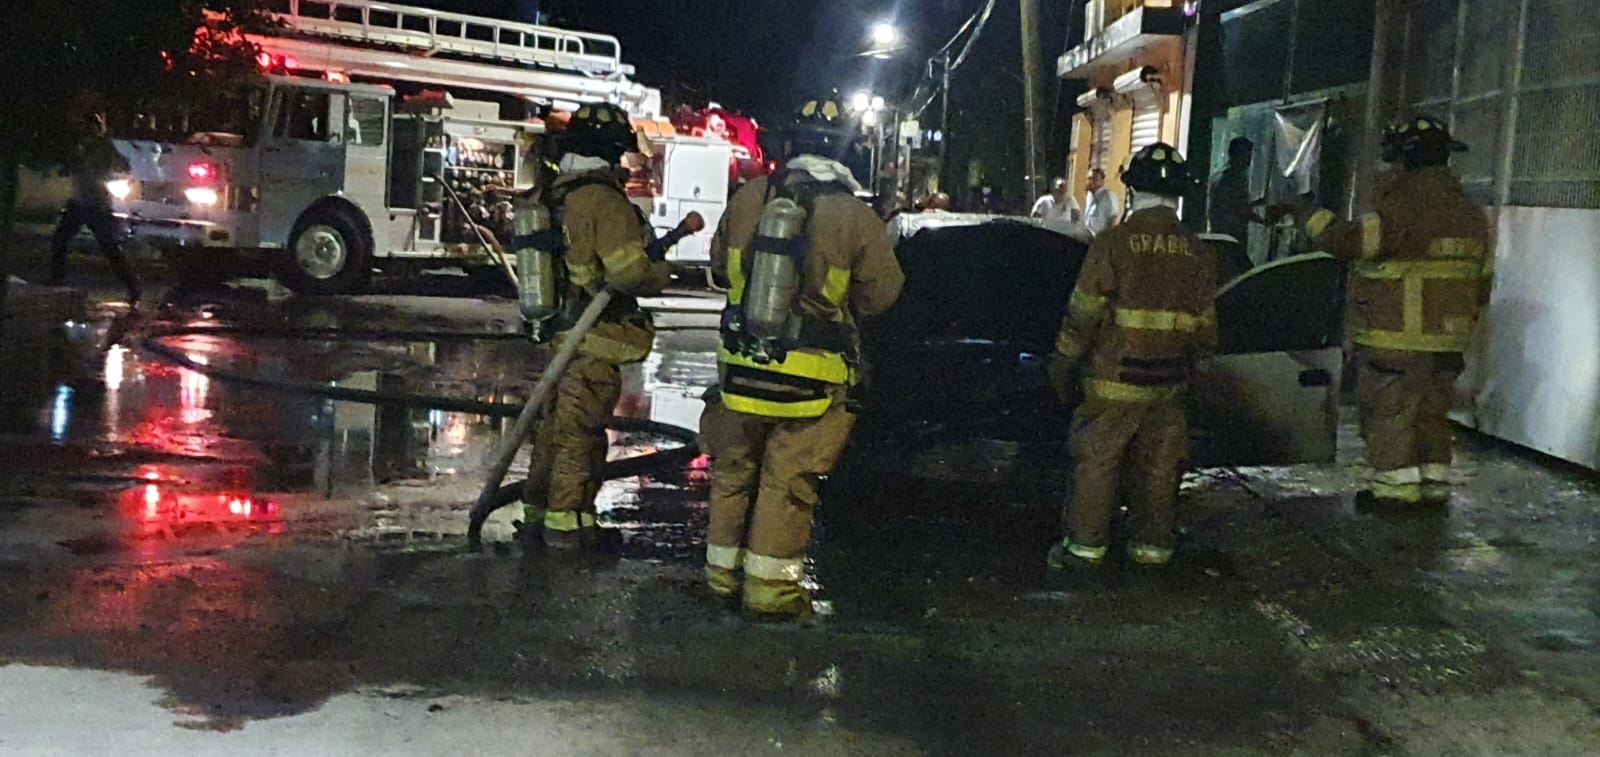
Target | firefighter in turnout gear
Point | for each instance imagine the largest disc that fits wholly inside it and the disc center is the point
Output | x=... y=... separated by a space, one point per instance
x=1142 y=314
x=804 y=260
x=1422 y=270
x=605 y=238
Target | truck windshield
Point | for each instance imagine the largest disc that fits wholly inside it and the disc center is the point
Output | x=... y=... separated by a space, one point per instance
x=229 y=118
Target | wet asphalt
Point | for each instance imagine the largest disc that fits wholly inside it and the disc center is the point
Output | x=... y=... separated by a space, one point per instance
x=220 y=568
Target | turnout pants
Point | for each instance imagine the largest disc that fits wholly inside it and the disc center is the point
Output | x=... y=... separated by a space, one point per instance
x=1404 y=399
x=765 y=478
x=104 y=227
x=1131 y=450
x=569 y=448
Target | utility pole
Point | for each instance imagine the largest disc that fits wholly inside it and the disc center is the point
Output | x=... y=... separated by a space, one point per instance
x=944 y=115
x=1030 y=89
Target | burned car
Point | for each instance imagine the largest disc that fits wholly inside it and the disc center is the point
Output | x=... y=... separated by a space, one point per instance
x=963 y=354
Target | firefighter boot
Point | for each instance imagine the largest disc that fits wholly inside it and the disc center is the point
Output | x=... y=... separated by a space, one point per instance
x=1436 y=484
x=769 y=600
x=1149 y=555
x=1067 y=556
x=723 y=584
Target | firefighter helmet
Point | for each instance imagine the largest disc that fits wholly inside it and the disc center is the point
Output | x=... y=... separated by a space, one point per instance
x=815 y=129
x=1158 y=169
x=600 y=130
x=1422 y=141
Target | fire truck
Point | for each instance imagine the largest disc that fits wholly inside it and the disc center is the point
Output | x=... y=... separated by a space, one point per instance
x=362 y=146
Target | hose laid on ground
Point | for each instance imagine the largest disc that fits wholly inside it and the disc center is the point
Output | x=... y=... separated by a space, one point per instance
x=492 y=498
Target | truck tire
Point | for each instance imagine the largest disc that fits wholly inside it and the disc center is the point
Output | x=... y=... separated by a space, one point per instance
x=327 y=254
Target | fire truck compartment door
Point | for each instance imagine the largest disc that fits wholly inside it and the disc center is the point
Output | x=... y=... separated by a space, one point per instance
x=301 y=161
x=366 y=158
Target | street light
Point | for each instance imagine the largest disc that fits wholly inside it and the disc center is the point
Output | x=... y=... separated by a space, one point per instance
x=884 y=35
x=861 y=101
x=877 y=103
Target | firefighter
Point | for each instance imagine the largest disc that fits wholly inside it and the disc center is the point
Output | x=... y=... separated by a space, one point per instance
x=90 y=206
x=605 y=239
x=1422 y=272
x=1142 y=314
x=799 y=248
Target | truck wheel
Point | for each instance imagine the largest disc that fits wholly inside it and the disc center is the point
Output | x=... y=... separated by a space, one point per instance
x=328 y=254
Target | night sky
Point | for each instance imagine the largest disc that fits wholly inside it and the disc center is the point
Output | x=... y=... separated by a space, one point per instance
x=764 y=57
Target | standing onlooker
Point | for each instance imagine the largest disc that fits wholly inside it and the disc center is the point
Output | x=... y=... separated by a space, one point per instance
x=96 y=161
x=1057 y=208
x=1230 y=209
x=1103 y=210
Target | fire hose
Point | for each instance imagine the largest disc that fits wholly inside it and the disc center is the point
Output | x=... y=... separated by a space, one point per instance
x=493 y=497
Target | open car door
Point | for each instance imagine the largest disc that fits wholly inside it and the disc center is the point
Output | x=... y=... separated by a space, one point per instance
x=962 y=357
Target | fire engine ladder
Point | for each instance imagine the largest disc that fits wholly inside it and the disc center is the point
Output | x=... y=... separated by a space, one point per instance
x=386 y=41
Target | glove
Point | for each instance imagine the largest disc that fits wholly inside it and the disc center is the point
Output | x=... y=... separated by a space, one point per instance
x=1064 y=379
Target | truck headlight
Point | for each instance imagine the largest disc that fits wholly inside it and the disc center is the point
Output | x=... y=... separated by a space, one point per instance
x=119 y=188
x=205 y=196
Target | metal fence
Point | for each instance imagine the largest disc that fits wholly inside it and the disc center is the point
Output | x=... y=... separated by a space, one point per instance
x=1518 y=80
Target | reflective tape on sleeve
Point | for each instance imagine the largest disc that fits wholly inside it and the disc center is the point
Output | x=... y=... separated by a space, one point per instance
x=837 y=286
x=1318 y=223
x=627 y=256
x=735 y=276
x=582 y=275
x=1371 y=235
x=1117 y=391
x=1087 y=304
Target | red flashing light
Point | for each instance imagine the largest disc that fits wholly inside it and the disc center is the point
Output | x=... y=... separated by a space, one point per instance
x=268 y=62
x=202 y=171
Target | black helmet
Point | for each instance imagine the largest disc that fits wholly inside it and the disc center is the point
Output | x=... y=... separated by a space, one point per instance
x=600 y=130
x=816 y=129
x=1158 y=169
x=1422 y=141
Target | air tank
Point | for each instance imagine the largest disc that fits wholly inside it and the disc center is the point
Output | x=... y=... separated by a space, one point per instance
x=774 y=278
x=537 y=294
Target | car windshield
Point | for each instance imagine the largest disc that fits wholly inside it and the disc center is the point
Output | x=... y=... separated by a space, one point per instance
x=219 y=117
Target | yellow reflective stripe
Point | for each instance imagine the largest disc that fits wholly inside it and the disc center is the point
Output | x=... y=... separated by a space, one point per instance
x=1411 y=474
x=828 y=367
x=628 y=255
x=1084 y=552
x=1399 y=340
x=837 y=286
x=1069 y=345
x=1156 y=320
x=1371 y=235
x=568 y=520
x=1456 y=247
x=1087 y=304
x=1435 y=472
x=1318 y=223
x=771 y=409
x=727 y=558
x=1424 y=269
x=582 y=275
x=774 y=568
x=1404 y=484
x=1117 y=391
x=735 y=276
